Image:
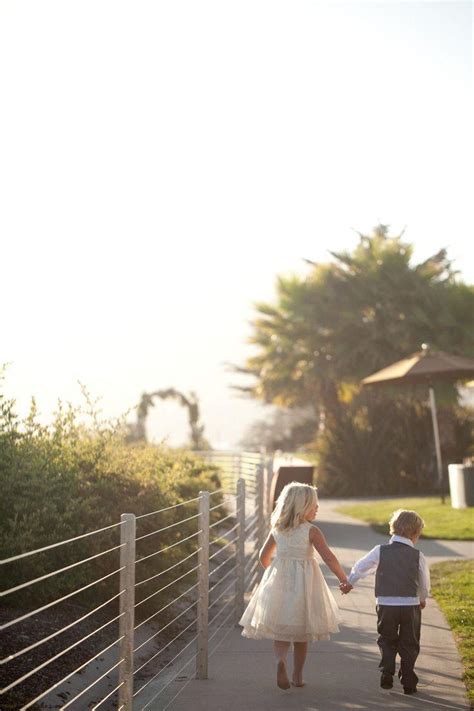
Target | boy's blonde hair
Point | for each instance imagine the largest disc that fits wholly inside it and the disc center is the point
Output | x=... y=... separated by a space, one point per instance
x=406 y=523
x=293 y=505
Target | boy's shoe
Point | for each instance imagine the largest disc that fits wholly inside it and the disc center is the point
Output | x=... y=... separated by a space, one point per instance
x=409 y=689
x=386 y=680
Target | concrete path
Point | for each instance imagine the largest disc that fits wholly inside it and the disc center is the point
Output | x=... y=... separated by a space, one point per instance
x=343 y=673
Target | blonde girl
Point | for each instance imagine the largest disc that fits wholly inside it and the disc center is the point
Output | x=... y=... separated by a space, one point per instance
x=293 y=603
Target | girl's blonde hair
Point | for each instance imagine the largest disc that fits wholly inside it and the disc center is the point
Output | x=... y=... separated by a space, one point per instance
x=406 y=523
x=293 y=505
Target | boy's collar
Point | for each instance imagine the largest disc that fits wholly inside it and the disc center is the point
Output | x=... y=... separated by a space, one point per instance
x=402 y=539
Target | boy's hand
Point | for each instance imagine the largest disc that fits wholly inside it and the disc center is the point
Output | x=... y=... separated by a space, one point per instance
x=422 y=604
x=345 y=587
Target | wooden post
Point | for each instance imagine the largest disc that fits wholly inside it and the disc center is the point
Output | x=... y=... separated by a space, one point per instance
x=203 y=587
x=240 y=557
x=127 y=610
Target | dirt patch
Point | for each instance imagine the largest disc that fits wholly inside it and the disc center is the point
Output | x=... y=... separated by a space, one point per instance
x=28 y=632
x=36 y=628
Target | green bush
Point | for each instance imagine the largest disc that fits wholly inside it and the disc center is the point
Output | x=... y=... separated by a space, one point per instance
x=60 y=481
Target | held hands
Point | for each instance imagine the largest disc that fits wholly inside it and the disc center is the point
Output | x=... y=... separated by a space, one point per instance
x=345 y=587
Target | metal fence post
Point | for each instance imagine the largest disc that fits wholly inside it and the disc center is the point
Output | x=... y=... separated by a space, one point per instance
x=127 y=610
x=203 y=587
x=240 y=557
x=239 y=469
x=269 y=503
x=260 y=509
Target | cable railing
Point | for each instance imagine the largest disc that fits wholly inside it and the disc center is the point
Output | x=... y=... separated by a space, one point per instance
x=193 y=574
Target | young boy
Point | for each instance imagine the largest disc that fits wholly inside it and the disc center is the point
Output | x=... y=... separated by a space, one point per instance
x=402 y=584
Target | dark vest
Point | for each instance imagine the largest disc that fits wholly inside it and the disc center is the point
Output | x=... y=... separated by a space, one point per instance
x=398 y=571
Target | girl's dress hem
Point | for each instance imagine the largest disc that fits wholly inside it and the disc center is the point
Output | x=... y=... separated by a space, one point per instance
x=252 y=633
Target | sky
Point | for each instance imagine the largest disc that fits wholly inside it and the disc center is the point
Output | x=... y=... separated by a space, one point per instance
x=162 y=162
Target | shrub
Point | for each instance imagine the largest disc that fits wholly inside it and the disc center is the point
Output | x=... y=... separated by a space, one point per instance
x=66 y=479
x=379 y=445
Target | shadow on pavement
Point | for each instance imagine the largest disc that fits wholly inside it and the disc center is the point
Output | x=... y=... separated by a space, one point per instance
x=356 y=537
x=341 y=674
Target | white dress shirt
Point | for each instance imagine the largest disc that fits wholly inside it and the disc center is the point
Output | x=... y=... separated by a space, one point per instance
x=368 y=564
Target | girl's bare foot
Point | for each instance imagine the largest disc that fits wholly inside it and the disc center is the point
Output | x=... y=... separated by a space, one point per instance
x=298 y=682
x=282 y=676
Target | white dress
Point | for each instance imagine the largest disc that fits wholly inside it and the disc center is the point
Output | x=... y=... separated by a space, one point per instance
x=293 y=602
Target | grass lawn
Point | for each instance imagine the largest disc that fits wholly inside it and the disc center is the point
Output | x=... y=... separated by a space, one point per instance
x=441 y=521
x=453 y=588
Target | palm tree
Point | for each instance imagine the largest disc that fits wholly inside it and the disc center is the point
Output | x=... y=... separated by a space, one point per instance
x=350 y=317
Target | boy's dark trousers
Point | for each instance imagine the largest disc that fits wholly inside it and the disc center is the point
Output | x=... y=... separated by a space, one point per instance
x=399 y=631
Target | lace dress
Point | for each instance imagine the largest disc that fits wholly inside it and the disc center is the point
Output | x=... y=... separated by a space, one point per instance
x=293 y=602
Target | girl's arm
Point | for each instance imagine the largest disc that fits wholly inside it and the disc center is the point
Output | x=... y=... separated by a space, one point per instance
x=266 y=552
x=319 y=542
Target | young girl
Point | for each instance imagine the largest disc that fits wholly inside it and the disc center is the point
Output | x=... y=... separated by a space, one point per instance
x=293 y=602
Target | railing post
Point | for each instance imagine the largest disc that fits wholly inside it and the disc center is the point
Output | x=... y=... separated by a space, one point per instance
x=240 y=553
x=267 y=480
x=239 y=470
x=127 y=610
x=203 y=587
x=269 y=489
x=260 y=508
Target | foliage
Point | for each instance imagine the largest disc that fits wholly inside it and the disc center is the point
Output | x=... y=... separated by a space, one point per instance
x=377 y=445
x=61 y=481
x=137 y=431
x=344 y=320
x=353 y=316
x=453 y=588
x=441 y=520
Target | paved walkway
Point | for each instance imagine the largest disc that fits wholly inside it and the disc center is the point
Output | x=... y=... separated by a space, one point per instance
x=341 y=674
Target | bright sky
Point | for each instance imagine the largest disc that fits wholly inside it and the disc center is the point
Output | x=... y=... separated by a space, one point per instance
x=161 y=162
